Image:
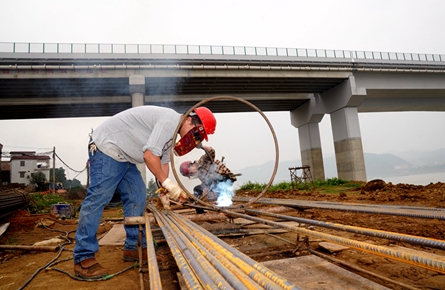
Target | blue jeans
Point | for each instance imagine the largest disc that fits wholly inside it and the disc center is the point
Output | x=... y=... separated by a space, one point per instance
x=107 y=175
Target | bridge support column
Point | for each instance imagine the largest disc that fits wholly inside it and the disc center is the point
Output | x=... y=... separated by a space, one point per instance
x=310 y=149
x=348 y=144
x=137 y=91
x=306 y=119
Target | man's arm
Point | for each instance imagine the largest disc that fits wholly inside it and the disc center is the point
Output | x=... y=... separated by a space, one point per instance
x=153 y=163
x=160 y=171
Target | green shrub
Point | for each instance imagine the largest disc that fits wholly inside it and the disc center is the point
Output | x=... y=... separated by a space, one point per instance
x=329 y=185
x=41 y=203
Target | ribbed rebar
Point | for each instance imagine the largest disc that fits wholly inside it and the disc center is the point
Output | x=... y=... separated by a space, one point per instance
x=210 y=258
x=400 y=255
x=406 y=211
x=11 y=200
x=421 y=241
x=250 y=266
x=153 y=269
x=189 y=276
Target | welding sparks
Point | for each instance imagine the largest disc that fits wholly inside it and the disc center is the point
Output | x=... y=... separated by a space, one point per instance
x=226 y=193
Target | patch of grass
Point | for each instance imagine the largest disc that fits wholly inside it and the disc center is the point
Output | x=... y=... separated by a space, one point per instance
x=41 y=203
x=331 y=185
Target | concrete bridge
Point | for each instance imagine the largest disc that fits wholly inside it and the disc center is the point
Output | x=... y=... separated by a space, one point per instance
x=88 y=80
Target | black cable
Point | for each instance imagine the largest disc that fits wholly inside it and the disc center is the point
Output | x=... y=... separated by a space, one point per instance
x=53 y=262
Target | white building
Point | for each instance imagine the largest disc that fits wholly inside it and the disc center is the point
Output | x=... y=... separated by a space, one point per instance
x=23 y=163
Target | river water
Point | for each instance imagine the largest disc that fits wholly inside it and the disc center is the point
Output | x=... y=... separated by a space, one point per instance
x=417 y=179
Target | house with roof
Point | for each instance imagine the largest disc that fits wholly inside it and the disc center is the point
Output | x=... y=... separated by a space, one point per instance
x=23 y=163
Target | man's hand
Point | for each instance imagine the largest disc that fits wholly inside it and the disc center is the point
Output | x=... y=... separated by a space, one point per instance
x=165 y=201
x=174 y=191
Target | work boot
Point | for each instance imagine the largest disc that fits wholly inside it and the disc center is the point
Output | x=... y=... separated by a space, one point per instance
x=89 y=269
x=133 y=256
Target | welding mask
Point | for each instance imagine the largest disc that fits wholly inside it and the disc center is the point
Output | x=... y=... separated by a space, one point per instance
x=194 y=137
x=189 y=141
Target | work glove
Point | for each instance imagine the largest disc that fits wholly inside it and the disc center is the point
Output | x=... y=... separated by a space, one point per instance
x=165 y=201
x=174 y=191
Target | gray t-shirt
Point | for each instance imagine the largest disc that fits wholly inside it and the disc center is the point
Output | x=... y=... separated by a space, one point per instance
x=125 y=136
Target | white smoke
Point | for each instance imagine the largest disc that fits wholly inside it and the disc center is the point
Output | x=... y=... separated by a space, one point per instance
x=226 y=193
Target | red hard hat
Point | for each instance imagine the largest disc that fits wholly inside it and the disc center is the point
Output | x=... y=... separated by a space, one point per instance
x=184 y=168
x=207 y=119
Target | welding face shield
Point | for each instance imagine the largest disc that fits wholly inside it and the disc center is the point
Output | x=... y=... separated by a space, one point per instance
x=189 y=141
x=204 y=123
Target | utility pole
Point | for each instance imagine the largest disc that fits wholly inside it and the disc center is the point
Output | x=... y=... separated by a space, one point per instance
x=54 y=169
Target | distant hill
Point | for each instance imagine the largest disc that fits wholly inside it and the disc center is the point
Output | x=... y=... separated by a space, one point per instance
x=377 y=166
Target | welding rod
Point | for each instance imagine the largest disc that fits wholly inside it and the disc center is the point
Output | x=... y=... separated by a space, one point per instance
x=421 y=241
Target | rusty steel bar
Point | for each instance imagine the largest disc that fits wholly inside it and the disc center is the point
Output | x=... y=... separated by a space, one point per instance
x=415 y=213
x=208 y=276
x=415 y=240
x=176 y=132
x=250 y=266
x=153 y=269
x=399 y=255
x=29 y=248
x=236 y=277
x=189 y=276
x=227 y=261
x=352 y=266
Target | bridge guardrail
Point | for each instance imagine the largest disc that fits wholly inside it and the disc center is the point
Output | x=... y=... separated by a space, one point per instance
x=67 y=48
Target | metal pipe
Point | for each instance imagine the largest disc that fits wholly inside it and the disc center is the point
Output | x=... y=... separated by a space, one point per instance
x=421 y=241
x=399 y=255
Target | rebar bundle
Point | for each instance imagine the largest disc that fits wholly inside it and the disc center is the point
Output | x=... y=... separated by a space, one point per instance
x=12 y=200
x=206 y=262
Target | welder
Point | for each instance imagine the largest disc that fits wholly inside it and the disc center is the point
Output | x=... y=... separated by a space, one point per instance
x=138 y=135
x=216 y=179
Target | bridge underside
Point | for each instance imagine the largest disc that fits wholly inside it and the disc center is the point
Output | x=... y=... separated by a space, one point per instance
x=97 y=97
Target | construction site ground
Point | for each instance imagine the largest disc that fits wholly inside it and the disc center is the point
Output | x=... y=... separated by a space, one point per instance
x=19 y=267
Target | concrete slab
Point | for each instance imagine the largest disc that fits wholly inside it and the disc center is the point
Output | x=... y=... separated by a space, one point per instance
x=115 y=237
x=312 y=272
x=333 y=248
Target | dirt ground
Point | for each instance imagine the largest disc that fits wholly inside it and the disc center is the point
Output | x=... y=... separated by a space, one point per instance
x=19 y=268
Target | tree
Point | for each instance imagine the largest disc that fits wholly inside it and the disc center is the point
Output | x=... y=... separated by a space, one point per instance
x=72 y=183
x=38 y=178
x=151 y=188
x=60 y=175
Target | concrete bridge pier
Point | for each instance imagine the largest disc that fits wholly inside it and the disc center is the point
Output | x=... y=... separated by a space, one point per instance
x=137 y=91
x=306 y=119
x=310 y=149
x=342 y=102
x=348 y=144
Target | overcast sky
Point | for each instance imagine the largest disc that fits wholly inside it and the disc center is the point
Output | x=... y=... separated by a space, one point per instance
x=378 y=25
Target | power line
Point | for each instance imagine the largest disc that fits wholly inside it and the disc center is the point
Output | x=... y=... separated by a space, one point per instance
x=77 y=171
